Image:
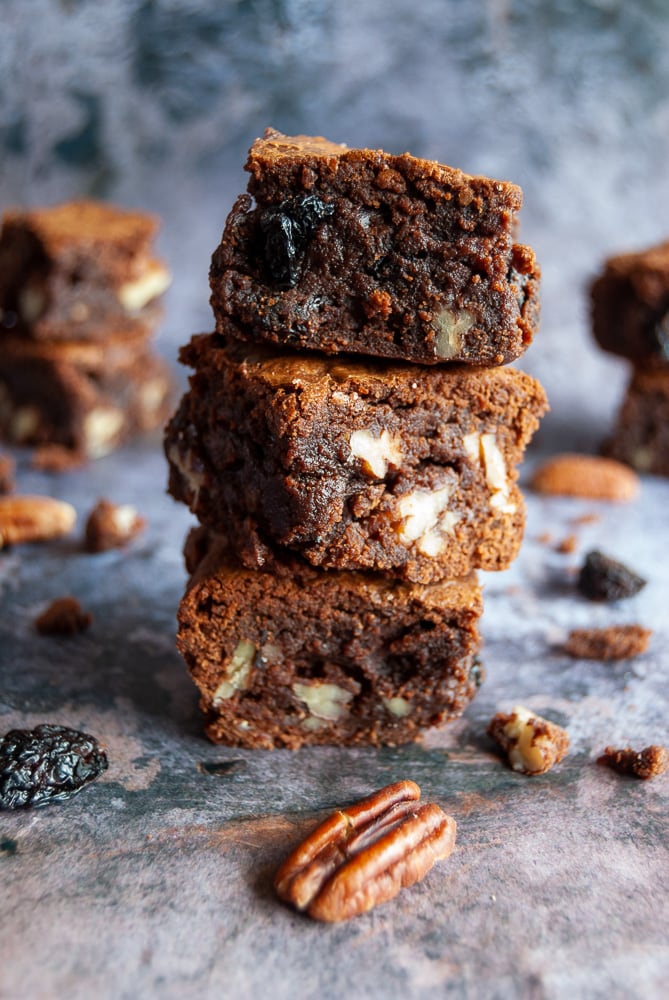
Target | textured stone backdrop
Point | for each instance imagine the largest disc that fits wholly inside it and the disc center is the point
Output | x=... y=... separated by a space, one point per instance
x=155 y=103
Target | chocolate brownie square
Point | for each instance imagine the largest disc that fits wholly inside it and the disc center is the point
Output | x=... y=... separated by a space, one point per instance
x=290 y=655
x=78 y=271
x=357 y=250
x=641 y=433
x=354 y=465
x=630 y=306
x=88 y=397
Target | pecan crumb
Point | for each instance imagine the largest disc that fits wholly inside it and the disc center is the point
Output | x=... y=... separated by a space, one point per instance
x=532 y=744
x=567 y=545
x=7 y=468
x=604 y=579
x=111 y=526
x=617 y=642
x=364 y=854
x=64 y=616
x=645 y=764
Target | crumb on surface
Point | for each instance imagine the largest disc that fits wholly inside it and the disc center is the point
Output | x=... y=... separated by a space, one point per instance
x=531 y=743
x=545 y=538
x=645 y=764
x=56 y=458
x=7 y=469
x=111 y=526
x=567 y=545
x=615 y=642
x=64 y=616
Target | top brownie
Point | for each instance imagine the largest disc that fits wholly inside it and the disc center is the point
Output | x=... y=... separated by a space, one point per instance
x=355 y=250
x=630 y=306
x=81 y=270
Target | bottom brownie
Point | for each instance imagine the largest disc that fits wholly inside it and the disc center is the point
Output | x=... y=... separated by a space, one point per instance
x=641 y=434
x=293 y=655
x=86 y=398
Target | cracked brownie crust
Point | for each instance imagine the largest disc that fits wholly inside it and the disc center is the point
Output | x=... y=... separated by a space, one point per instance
x=358 y=658
x=355 y=466
x=356 y=250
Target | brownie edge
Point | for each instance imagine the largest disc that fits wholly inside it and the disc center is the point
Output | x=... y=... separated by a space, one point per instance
x=296 y=656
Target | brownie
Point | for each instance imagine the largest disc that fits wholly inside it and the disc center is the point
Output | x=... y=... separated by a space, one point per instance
x=357 y=250
x=77 y=271
x=354 y=465
x=7 y=470
x=641 y=433
x=86 y=397
x=630 y=306
x=290 y=655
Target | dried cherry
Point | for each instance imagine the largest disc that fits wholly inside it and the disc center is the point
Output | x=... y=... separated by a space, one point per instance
x=287 y=229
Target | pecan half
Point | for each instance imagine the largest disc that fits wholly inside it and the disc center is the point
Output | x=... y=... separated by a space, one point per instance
x=364 y=854
x=34 y=519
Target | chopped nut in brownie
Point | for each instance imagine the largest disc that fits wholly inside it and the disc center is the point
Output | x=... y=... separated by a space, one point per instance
x=604 y=579
x=617 y=642
x=6 y=474
x=64 y=616
x=647 y=763
x=111 y=526
x=532 y=744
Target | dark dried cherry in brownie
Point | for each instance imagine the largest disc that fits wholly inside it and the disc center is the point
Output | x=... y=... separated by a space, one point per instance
x=354 y=465
x=357 y=250
x=630 y=306
x=81 y=270
x=290 y=655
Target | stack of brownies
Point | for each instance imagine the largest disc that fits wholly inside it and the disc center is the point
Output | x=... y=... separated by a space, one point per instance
x=349 y=444
x=630 y=318
x=79 y=285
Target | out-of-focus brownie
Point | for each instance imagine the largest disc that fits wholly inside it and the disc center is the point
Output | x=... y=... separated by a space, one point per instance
x=641 y=433
x=357 y=250
x=7 y=470
x=78 y=271
x=630 y=306
x=292 y=655
x=354 y=465
x=87 y=397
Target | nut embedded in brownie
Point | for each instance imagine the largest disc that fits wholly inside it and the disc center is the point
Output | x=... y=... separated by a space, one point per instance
x=354 y=465
x=81 y=270
x=357 y=250
x=360 y=659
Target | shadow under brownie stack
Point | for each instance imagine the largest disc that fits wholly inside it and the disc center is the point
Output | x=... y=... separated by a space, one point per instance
x=78 y=309
x=349 y=444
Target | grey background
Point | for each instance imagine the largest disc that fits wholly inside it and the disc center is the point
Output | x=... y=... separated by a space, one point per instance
x=155 y=103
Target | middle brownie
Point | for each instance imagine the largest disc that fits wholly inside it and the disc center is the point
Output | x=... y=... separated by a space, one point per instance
x=354 y=465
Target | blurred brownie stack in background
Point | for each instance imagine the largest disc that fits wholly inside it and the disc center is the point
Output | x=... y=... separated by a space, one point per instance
x=630 y=318
x=79 y=290
x=350 y=444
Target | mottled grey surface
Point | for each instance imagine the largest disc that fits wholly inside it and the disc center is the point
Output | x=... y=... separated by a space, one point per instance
x=156 y=880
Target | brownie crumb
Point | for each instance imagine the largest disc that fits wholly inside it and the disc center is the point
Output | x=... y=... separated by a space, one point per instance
x=645 y=764
x=588 y=476
x=64 y=616
x=56 y=458
x=7 y=468
x=111 y=526
x=567 y=545
x=617 y=642
x=604 y=579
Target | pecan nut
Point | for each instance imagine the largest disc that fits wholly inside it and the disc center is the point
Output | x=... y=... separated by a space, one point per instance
x=364 y=854
x=34 y=519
